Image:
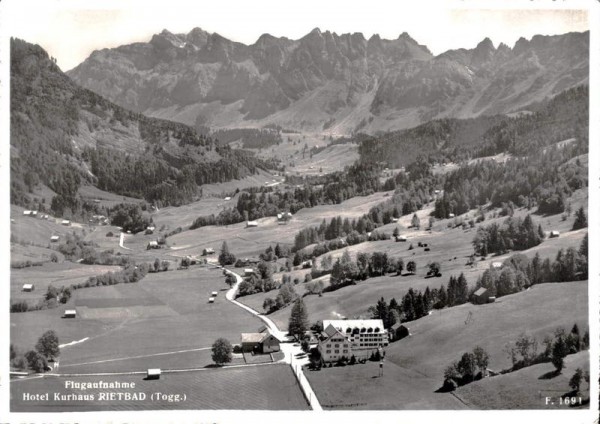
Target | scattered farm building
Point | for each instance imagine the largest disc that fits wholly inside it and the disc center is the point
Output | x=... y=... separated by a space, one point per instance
x=211 y=300
x=208 y=251
x=153 y=244
x=65 y=222
x=28 y=287
x=360 y=338
x=451 y=215
x=394 y=219
x=248 y=272
x=153 y=374
x=54 y=239
x=306 y=264
x=399 y=331
x=227 y=199
x=30 y=213
x=496 y=265
x=554 y=234
x=283 y=217
x=401 y=238
x=70 y=313
x=99 y=219
x=251 y=224
x=481 y=296
x=214 y=294
x=264 y=342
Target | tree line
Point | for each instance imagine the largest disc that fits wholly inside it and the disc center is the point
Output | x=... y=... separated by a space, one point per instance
x=513 y=234
x=519 y=272
x=356 y=180
x=416 y=304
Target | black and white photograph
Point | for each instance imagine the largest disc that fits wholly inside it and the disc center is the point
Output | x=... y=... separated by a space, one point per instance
x=321 y=208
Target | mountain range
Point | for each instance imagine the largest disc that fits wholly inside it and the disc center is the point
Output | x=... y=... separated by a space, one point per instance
x=325 y=82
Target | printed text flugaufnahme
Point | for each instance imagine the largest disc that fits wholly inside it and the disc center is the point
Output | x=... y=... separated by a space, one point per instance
x=85 y=385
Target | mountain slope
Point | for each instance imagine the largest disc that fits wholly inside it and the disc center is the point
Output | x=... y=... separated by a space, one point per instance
x=325 y=81
x=63 y=136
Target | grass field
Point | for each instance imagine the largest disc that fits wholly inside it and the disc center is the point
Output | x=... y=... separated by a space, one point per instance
x=537 y=312
x=415 y=364
x=268 y=387
x=22 y=253
x=297 y=162
x=27 y=230
x=527 y=388
x=56 y=274
x=445 y=244
x=106 y=199
x=165 y=312
x=360 y=387
x=251 y=241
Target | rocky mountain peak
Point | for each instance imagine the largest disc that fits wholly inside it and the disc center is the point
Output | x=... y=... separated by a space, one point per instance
x=324 y=77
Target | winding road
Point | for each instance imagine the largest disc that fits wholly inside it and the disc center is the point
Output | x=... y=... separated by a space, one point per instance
x=291 y=350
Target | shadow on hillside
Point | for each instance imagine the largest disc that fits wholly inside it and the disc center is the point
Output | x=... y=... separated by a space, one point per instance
x=549 y=375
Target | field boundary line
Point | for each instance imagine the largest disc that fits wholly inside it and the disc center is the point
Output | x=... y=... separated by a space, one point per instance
x=459 y=399
x=164 y=371
x=138 y=357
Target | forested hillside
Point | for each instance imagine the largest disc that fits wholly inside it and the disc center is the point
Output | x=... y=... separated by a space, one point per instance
x=64 y=136
x=562 y=117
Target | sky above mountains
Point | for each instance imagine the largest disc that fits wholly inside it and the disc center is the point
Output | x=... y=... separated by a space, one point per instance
x=71 y=29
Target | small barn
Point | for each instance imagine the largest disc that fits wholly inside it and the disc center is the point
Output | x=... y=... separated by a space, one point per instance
x=28 y=287
x=260 y=342
x=153 y=374
x=451 y=215
x=26 y=213
x=54 y=239
x=65 y=222
x=248 y=272
x=214 y=294
x=496 y=265
x=401 y=238
x=70 y=313
x=153 y=245
x=398 y=331
x=251 y=224
x=554 y=234
x=211 y=300
x=481 y=296
x=227 y=199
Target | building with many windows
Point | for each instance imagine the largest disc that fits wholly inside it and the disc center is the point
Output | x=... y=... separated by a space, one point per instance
x=360 y=338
